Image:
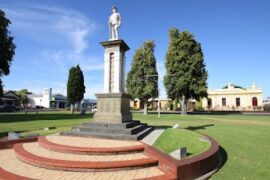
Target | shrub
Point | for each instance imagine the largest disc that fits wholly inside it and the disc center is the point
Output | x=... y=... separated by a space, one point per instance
x=133 y=108
x=266 y=107
x=198 y=106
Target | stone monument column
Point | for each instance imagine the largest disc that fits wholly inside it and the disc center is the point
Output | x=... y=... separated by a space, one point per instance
x=113 y=105
x=113 y=118
x=114 y=65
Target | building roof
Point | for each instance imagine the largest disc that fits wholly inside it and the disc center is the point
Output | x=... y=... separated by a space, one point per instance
x=231 y=89
x=11 y=95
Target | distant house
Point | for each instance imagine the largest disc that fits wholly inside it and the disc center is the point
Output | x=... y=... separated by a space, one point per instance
x=266 y=101
x=11 y=98
x=47 y=100
x=56 y=101
x=164 y=103
x=229 y=98
x=43 y=100
x=234 y=98
x=89 y=103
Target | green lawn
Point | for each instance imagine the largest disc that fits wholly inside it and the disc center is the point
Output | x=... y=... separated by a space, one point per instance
x=34 y=123
x=245 y=139
x=181 y=138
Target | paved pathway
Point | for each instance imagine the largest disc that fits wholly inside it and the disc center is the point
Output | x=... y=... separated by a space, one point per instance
x=152 y=137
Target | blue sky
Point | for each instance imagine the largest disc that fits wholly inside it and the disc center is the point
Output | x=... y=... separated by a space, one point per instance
x=54 y=35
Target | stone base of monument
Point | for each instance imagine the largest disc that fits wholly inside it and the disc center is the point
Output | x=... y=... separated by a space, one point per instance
x=113 y=108
x=133 y=130
x=112 y=120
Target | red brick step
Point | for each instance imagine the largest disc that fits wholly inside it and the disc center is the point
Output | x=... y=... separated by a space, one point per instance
x=45 y=143
x=49 y=163
x=5 y=175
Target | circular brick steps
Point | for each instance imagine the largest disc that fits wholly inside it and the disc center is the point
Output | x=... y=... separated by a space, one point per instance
x=11 y=168
x=10 y=176
x=71 y=158
x=63 y=157
x=34 y=154
x=56 y=144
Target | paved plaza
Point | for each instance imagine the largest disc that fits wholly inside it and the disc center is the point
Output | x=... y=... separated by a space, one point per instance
x=12 y=162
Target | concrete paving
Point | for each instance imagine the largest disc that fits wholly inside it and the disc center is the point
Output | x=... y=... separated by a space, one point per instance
x=153 y=136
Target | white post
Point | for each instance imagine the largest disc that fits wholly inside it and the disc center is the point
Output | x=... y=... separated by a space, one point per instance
x=158 y=106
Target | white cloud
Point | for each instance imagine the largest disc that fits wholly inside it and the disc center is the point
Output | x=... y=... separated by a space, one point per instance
x=61 y=38
x=67 y=25
x=63 y=60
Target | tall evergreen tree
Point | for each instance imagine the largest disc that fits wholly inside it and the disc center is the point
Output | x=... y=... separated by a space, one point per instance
x=142 y=79
x=7 y=47
x=75 y=86
x=186 y=74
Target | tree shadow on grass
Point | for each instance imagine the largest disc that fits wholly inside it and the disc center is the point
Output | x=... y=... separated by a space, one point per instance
x=194 y=128
x=161 y=126
x=8 y=118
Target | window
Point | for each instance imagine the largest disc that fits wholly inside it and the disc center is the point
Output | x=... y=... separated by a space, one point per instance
x=238 y=103
x=135 y=103
x=254 y=101
x=223 y=102
x=209 y=103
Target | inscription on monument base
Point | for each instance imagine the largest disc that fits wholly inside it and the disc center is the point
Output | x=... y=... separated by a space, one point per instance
x=113 y=108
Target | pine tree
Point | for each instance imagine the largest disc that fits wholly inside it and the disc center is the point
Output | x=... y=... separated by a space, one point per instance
x=186 y=75
x=7 y=48
x=142 y=79
x=75 y=86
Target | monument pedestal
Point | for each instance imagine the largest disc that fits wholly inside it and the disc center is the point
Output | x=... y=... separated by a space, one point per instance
x=113 y=118
x=113 y=108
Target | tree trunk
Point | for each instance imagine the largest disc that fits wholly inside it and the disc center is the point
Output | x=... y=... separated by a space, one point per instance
x=72 y=108
x=145 y=112
x=183 y=106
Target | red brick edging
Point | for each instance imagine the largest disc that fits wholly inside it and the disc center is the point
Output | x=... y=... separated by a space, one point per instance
x=49 y=163
x=5 y=175
x=44 y=142
x=160 y=177
x=189 y=168
x=7 y=143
